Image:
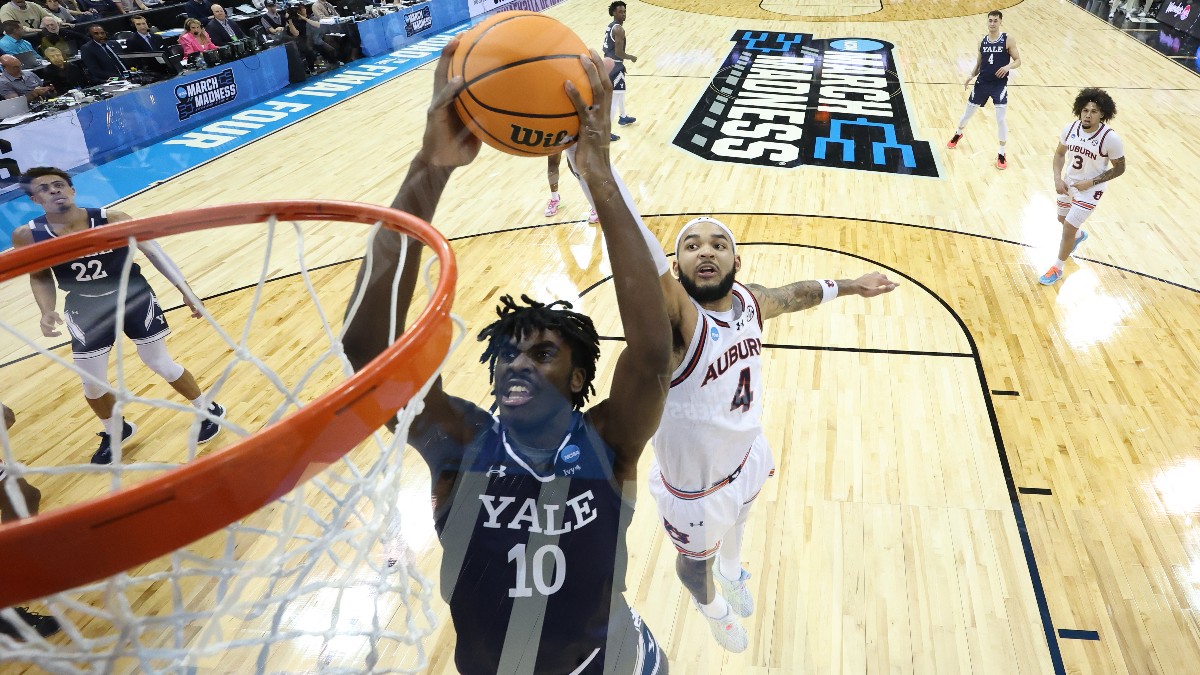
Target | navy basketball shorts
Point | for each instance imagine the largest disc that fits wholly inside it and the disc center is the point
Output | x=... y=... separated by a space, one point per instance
x=617 y=75
x=92 y=321
x=997 y=91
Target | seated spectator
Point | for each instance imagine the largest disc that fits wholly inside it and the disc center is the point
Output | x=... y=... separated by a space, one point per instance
x=54 y=36
x=197 y=9
x=15 y=82
x=128 y=6
x=222 y=30
x=61 y=75
x=195 y=39
x=104 y=7
x=100 y=57
x=66 y=15
x=144 y=40
x=299 y=23
x=322 y=9
x=274 y=25
x=14 y=41
x=27 y=14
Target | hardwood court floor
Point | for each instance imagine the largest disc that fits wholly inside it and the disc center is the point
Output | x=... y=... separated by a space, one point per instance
x=896 y=536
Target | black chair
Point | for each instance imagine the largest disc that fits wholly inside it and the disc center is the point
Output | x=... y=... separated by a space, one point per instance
x=174 y=56
x=180 y=18
x=124 y=37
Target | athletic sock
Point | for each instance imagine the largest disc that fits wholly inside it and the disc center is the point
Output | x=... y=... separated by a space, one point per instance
x=717 y=608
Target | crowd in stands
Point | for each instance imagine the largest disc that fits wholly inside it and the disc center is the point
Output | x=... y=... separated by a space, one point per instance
x=81 y=53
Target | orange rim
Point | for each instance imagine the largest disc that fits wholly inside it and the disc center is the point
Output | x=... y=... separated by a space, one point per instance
x=86 y=542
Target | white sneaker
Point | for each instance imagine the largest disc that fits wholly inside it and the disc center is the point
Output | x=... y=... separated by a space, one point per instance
x=735 y=592
x=727 y=631
x=552 y=206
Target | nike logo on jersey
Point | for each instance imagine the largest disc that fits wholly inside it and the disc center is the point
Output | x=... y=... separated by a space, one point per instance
x=741 y=351
x=576 y=512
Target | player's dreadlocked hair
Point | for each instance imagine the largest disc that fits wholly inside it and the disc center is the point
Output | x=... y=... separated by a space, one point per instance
x=1108 y=107
x=517 y=321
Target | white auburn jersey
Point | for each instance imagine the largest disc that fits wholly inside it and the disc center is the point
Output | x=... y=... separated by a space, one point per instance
x=714 y=409
x=1089 y=152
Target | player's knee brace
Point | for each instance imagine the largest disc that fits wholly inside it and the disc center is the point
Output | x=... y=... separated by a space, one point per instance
x=1002 y=122
x=155 y=356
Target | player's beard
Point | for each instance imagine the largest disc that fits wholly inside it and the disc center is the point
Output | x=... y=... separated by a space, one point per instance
x=710 y=293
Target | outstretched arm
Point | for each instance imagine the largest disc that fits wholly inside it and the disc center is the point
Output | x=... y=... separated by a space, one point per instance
x=803 y=295
x=447 y=145
x=629 y=417
x=162 y=262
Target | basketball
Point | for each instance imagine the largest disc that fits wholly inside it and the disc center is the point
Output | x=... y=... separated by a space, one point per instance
x=514 y=65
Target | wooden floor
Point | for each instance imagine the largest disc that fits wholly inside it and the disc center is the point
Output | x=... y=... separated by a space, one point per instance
x=966 y=467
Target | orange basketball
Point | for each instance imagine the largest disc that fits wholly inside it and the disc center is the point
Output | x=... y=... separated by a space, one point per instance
x=514 y=65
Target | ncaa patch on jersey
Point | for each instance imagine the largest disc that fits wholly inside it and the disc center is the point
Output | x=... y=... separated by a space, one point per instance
x=786 y=100
x=570 y=453
x=714 y=334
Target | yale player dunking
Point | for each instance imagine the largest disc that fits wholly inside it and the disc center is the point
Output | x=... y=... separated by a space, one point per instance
x=997 y=59
x=532 y=504
x=1085 y=148
x=614 y=48
x=91 y=284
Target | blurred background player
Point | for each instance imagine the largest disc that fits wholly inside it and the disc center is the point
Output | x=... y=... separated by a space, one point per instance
x=532 y=505
x=552 y=172
x=92 y=284
x=43 y=625
x=997 y=59
x=614 y=48
x=1086 y=147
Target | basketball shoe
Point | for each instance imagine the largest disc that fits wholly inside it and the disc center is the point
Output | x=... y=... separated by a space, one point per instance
x=103 y=454
x=1001 y=162
x=727 y=631
x=1052 y=275
x=44 y=625
x=593 y=217
x=613 y=137
x=1079 y=240
x=552 y=206
x=208 y=428
x=626 y=121
x=736 y=592
x=953 y=142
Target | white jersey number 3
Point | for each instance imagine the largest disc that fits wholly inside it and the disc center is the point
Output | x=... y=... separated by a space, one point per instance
x=516 y=554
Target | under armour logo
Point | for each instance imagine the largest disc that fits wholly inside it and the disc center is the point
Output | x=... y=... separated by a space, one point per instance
x=496 y=471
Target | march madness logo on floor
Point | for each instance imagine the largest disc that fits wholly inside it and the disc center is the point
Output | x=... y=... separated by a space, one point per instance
x=785 y=99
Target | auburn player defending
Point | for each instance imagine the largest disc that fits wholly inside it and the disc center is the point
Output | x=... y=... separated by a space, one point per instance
x=614 y=48
x=997 y=58
x=531 y=505
x=91 y=284
x=1086 y=147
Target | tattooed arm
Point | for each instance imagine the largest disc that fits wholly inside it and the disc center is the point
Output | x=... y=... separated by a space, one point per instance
x=803 y=295
x=1117 y=168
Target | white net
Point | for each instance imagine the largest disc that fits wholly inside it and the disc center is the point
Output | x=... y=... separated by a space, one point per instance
x=325 y=579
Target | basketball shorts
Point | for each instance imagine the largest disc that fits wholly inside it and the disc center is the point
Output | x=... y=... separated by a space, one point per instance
x=997 y=91
x=1077 y=205
x=92 y=321
x=617 y=75
x=697 y=522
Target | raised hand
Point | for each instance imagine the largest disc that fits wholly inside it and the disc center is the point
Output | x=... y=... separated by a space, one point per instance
x=595 y=126
x=447 y=142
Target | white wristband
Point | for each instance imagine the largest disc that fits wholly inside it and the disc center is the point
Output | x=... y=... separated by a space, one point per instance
x=829 y=290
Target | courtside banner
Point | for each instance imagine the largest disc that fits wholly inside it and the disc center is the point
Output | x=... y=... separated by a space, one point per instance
x=1181 y=14
x=785 y=100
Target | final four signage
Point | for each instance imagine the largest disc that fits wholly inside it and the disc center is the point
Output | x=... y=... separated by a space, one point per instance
x=785 y=99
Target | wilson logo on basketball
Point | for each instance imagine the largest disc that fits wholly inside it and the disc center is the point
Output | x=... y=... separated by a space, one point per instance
x=785 y=100
x=536 y=138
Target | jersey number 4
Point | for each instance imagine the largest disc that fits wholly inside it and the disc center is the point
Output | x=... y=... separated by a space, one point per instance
x=744 y=396
x=558 y=571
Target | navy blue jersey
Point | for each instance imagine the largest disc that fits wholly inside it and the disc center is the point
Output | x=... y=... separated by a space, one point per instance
x=96 y=274
x=993 y=55
x=533 y=566
x=610 y=45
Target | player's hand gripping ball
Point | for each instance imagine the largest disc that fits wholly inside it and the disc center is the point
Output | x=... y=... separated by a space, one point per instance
x=514 y=65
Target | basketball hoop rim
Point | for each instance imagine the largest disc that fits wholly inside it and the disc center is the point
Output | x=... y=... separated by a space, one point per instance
x=92 y=540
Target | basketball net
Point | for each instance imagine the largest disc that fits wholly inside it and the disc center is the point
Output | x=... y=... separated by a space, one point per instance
x=325 y=578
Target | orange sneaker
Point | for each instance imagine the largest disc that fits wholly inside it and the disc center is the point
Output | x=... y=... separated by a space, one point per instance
x=953 y=143
x=1001 y=163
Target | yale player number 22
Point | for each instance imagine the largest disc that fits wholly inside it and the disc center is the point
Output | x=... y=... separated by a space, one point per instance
x=88 y=271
